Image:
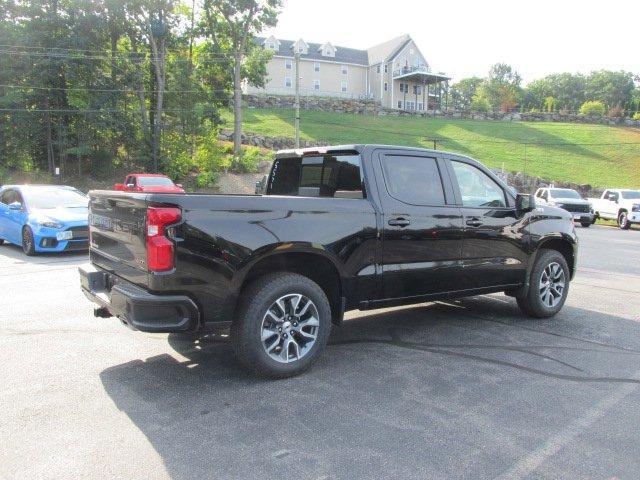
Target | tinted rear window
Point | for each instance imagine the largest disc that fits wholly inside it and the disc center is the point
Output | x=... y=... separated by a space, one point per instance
x=337 y=176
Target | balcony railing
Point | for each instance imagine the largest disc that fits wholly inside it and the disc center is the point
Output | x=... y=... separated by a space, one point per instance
x=413 y=69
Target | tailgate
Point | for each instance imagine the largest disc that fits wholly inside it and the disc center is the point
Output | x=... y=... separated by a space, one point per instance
x=117 y=222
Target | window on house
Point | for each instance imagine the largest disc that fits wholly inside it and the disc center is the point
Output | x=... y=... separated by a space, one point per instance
x=385 y=69
x=417 y=89
x=410 y=105
x=316 y=66
x=343 y=69
x=288 y=64
x=316 y=84
x=271 y=46
x=386 y=86
x=399 y=103
x=378 y=69
x=287 y=82
x=420 y=106
x=343 y=87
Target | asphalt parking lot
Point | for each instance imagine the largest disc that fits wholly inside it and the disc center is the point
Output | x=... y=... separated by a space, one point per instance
x=466 y=389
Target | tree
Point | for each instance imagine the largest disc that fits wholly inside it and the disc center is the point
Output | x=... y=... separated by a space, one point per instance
x=611 y=88
x=463 y=91
x=502 y=87
x=231 y=25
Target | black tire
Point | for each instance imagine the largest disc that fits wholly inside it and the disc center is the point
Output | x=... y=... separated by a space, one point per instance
x=533 y=304
x=246 y=329
x=623 y=220
x=585 y=224
x=28 y=242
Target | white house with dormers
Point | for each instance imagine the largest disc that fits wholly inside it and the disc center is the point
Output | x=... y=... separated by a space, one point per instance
x=394 y=73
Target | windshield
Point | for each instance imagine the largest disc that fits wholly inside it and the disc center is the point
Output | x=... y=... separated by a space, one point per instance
x=54 y=197
x=155 y=182
x=564 y=193
x=631 y=195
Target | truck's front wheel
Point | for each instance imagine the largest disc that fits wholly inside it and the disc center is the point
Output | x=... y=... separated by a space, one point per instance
x=623 y=220
x=282 y=326
x=549 y=285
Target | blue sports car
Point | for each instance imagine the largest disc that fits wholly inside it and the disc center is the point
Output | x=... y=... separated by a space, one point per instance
x=44 y=218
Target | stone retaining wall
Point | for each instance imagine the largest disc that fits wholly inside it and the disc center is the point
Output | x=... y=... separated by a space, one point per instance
x=371 y=107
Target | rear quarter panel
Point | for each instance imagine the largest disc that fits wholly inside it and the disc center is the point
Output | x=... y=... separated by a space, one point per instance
x=222 y=236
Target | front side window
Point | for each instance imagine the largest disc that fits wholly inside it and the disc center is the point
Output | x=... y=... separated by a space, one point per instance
x=8 y=197
x=338 y=176
x=413 y=180
x=477 y=189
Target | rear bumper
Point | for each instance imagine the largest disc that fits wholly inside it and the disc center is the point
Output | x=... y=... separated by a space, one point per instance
x=135 y=306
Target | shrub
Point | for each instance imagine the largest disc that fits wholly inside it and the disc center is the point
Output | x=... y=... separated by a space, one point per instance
x=593 y=108
x=616 y=112
x=207 y=179
x=480 y=104
x=636 y=116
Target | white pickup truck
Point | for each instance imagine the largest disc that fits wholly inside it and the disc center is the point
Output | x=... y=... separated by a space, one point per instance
x=618 y=204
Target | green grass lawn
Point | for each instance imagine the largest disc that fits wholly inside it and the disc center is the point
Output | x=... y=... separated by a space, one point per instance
x=598 y=155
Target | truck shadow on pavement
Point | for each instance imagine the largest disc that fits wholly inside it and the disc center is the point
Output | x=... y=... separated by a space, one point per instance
x=458 y=389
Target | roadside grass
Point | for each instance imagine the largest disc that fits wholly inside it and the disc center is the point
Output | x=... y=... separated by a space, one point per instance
x=598 y=155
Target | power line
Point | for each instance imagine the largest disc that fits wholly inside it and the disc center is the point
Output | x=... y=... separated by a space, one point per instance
x=124 y=90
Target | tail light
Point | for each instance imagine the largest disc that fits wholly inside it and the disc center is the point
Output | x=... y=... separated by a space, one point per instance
x=160 y=256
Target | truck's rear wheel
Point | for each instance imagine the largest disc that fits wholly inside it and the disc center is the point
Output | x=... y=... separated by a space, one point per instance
x=549 y=285
x=282 y=325
x=623 y=220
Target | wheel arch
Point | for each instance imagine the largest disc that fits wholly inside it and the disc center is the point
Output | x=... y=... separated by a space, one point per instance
x=562 y=245
x=314 y=265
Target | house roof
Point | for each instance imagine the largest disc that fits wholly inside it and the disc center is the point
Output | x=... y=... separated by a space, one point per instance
x=386 y=50
x=343 y=54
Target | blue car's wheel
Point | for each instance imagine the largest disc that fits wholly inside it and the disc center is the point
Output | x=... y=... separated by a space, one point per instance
x=28 y=243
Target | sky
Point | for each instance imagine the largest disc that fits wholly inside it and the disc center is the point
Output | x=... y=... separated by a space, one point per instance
x=465 y=37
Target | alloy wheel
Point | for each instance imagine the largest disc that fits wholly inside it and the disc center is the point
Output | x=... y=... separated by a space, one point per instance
x=552 y=284
x=290 y=328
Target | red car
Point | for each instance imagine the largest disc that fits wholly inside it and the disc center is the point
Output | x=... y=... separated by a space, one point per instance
x=148 y=182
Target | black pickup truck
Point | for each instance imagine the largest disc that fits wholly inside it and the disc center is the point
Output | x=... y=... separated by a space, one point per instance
x=337 y=229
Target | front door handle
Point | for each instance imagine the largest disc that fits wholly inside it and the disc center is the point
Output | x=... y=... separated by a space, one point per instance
x=474 y=222
x=399 y=222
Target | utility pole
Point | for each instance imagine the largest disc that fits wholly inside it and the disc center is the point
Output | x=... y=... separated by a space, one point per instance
x=297 y=104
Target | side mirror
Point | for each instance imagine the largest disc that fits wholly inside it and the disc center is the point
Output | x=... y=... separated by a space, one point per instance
x=15 y=206
x=130 y=185
x=179 y=185
x=525 y=203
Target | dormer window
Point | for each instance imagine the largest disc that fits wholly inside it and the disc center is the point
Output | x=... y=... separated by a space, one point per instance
x=301 y=47
x=272 y=43
x=327 y=50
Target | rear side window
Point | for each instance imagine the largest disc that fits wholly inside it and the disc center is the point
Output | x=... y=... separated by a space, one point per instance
x=413 y=180
x=338 y=176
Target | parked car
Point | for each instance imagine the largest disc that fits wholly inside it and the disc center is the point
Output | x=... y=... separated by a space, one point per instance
x=620 y=205
x=148 y=182
x=569 y=200
x=338 y=228
x=44 y=218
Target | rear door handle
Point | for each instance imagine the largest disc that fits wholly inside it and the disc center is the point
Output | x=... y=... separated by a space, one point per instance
x=474 y=222
x=399 y=222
